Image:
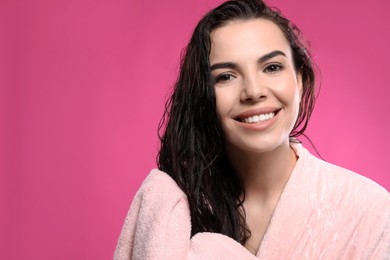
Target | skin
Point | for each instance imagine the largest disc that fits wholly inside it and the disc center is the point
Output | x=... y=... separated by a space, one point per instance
x=252 y=65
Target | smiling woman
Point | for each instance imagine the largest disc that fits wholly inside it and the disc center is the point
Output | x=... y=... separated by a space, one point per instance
x=234 y=182
x=261 y=84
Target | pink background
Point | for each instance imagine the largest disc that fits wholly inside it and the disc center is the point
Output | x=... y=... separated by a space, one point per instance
x=82 y=88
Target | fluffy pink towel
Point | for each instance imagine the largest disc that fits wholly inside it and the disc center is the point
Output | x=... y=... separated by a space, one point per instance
x=325 y=212
x=158 y=227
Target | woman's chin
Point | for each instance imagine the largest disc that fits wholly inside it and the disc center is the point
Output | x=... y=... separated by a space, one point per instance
x=257 y=146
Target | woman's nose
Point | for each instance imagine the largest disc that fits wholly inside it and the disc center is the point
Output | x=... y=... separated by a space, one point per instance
x=253 y=89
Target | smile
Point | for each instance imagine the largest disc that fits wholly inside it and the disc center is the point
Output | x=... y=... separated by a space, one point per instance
x=258 y=118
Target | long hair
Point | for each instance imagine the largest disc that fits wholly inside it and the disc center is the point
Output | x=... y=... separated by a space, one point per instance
x=192 y=148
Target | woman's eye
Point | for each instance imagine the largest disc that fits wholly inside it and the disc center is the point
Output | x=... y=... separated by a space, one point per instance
x=273 y=68
x=223 y=78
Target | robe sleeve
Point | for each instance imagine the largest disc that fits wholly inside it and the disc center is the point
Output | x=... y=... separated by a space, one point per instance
x=158 y=226
x=382 y=249
x=378 y=230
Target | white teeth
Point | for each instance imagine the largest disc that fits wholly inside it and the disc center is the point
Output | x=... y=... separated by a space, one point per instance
x=258 y=118
x=262 y=117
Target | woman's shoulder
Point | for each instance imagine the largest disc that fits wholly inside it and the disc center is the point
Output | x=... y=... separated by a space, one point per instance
x=356 y=189
x=341 y=182
x=353 y=181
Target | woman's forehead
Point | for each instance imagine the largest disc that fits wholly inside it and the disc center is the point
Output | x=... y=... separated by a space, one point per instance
x=240 y=38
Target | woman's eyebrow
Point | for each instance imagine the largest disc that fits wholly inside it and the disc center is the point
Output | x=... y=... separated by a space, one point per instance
x=270 y=55
x=223 y=65
x=232 y=65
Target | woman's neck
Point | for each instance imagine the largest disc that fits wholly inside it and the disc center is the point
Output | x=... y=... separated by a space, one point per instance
x=265 y=174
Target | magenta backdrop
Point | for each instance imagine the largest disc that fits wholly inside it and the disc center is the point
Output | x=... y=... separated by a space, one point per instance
x=83 y=85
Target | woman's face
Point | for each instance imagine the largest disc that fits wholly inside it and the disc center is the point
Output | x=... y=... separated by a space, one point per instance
x=257 y=88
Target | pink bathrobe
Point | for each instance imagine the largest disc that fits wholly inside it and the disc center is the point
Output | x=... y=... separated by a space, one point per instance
x=324 y=212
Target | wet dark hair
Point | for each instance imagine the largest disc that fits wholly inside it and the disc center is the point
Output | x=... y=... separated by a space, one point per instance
x=192 y=148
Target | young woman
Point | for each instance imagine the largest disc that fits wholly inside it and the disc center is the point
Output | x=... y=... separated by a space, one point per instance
x=233 y=180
